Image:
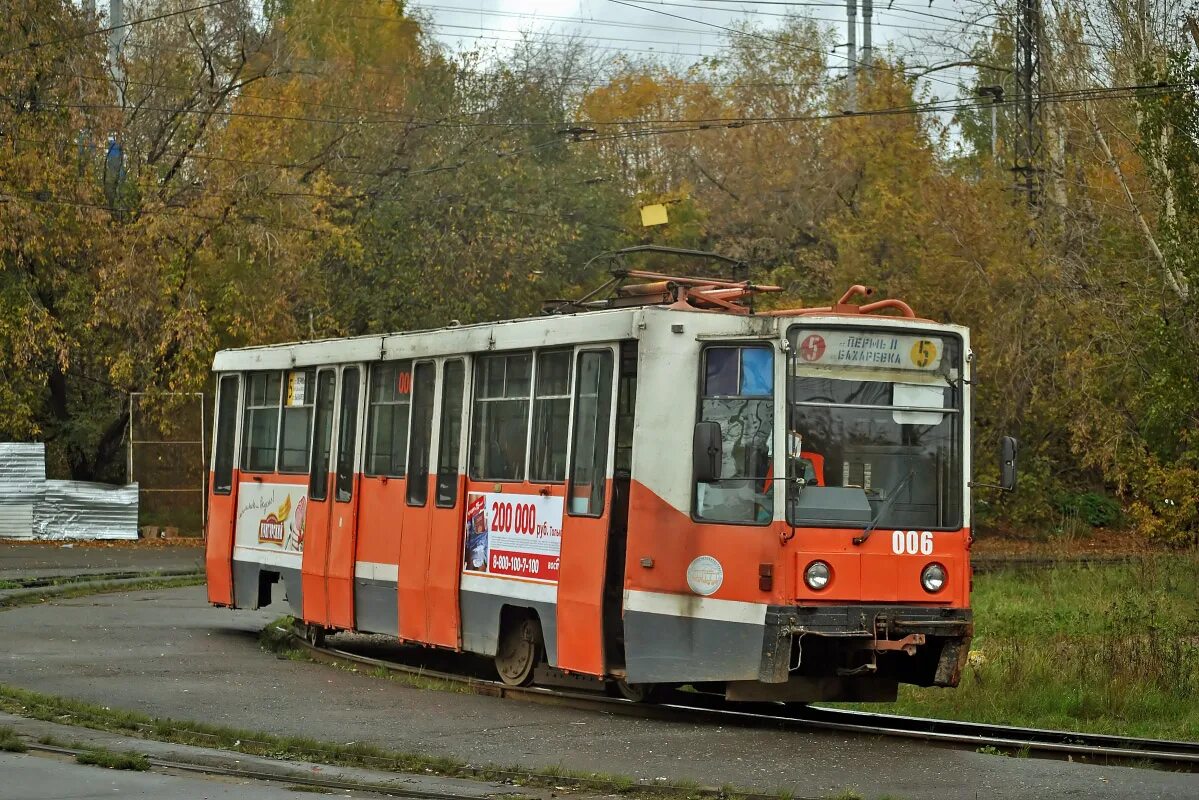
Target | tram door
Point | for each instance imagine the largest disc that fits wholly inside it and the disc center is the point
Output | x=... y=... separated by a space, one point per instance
x=414 y=543
x=222 y=493
x=316 y=526
x=447 y=515
x=343 y=514
x=588 y=508
x=618 y=525
x=433 y=516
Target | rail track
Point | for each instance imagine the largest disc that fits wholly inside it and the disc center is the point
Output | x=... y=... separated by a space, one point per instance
x=688 y=706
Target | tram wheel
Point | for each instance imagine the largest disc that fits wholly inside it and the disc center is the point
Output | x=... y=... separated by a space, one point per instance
x=314 y=634
x=519 y=650
x=636 y=692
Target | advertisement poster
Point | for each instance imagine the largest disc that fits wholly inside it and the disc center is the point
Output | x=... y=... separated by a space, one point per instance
x=271 y=516
x=513 y=535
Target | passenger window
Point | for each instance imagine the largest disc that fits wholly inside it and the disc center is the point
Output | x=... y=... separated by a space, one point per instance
x=322 y=435
x=296 y=430
x=450 y=438
x=387 y=419
x=500 y=432
x=593 y=411
x=347 y=435
x=738 y=393
x=423 y=384
x=226 y=436
x=551 y=418
x=260 y=430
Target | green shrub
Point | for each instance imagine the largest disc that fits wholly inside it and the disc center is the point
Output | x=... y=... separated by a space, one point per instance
x=1096 y=510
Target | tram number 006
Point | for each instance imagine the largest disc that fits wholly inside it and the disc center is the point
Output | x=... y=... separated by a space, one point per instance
x=513 y=517
x=911 y=543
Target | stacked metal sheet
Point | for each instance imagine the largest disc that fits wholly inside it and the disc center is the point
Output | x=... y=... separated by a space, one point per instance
x=22 y=485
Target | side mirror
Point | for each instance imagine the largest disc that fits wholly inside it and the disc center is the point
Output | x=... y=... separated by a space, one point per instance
x=1009 y=449
x=707 y=452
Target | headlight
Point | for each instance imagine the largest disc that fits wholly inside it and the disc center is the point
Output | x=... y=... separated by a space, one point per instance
x=932 y=578
x=817 y=575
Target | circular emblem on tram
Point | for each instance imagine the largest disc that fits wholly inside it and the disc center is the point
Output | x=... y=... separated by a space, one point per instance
x=812 y=347
x=924 y=352
x=704 y=575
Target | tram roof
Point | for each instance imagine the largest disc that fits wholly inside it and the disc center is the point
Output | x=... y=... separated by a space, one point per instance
x=604 y=325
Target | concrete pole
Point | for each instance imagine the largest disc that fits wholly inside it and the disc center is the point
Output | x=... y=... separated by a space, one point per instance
x=851 y=14
x=867 y=24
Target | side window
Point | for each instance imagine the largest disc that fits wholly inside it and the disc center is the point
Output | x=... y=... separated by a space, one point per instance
x=226 y=436
x=295 y=436
x=551 y=417
x=347 y=435
x=448 y=464
x=500 y=431
x=260 y=430
x=322 y=435
x=589 y=455
x=424 y=381
x=387 y=419
x=737 y=391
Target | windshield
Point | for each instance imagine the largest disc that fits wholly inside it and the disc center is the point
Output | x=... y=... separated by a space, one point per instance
x=874 y=429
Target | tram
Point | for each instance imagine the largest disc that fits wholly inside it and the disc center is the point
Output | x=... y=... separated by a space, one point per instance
x=661 y=487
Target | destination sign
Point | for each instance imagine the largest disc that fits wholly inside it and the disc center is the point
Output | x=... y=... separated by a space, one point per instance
x=827 y=348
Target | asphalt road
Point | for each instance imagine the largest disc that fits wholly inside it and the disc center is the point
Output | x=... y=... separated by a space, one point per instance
x=168 y=654
x=40 y=559
x=35 y=777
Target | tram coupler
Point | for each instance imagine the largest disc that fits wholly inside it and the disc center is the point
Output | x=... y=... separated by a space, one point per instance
x=908 y=644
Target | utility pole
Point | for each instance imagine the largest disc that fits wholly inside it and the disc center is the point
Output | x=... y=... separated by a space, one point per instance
x=1028 y=91
x=851 y=14
x=867 y=23
x=116 y=38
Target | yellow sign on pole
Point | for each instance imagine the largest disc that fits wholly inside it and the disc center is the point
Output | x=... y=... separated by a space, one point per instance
x=653 y=215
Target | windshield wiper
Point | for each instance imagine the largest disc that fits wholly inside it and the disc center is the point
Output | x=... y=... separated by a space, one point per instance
x=857 y=540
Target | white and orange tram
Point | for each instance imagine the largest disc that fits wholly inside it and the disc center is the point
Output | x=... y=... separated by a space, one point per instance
x=663 y=488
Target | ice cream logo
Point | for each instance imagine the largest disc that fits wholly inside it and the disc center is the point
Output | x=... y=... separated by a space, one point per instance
x=271 y=528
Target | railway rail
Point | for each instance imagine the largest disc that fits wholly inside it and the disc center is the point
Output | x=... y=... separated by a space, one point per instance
x=692 y=706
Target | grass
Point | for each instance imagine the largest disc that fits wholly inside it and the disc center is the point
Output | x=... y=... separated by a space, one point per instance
x=65 y=592
x=11 y=742
x=114 y=759
x=131 y=723
x=1099 y=648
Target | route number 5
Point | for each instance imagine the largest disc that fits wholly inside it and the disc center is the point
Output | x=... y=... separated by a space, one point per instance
x=912 y=543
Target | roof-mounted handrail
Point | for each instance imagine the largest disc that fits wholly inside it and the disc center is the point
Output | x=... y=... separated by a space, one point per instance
x=843 y=306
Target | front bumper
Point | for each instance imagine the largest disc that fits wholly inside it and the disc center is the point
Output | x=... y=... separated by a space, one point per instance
x=878 y=628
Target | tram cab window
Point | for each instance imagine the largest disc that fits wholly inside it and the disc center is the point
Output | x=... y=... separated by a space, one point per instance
x=295 y=437
x=500 y=429
x=880 y=413
x=226 y=436
x=387 y=418
x=260 y=429
x=737 y=391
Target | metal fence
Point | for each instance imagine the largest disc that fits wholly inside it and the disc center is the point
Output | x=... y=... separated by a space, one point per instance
x=32 y=507
x=22 y=485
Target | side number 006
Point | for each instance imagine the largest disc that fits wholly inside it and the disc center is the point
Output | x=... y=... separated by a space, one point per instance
x=912 y=543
